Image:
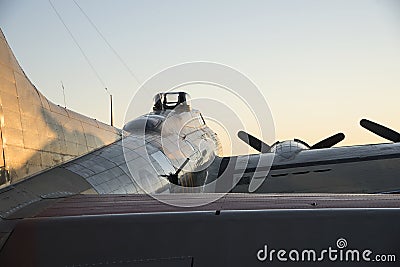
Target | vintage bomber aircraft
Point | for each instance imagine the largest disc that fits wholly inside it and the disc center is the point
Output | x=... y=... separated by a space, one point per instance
x=48 y=150
x=59 y=169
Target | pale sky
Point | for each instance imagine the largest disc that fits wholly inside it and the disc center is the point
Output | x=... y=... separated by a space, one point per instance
x=322 y=65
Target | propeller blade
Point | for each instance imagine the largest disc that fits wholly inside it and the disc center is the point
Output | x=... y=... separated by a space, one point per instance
x=329 y=142
x=380 y=130
x=254 y=142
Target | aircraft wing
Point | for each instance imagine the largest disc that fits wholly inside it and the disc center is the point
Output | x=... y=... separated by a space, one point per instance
x=236 y=230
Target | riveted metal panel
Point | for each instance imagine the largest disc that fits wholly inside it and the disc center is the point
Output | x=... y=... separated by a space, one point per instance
x=4 y=55
x=31 y=109
x=10 y=120
x=7 y=79
x=17 y=134
x=10 y=101
x=25 y=90
x=6 y=86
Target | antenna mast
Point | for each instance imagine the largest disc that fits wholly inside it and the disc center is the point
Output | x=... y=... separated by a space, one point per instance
x=111 y=105
x=63 y=89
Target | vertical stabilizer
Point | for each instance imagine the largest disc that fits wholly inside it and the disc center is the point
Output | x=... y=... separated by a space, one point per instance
x=35 y=133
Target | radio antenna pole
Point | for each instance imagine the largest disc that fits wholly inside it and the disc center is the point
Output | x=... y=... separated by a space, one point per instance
x=111 y=107
x=63 y=89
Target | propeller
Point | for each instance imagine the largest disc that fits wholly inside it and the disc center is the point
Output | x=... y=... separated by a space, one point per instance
x=254 y=142
x=329 y=142
x=262 y=147
x=381 y=130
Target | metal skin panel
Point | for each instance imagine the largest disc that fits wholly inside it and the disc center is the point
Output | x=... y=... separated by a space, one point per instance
x=37 y=134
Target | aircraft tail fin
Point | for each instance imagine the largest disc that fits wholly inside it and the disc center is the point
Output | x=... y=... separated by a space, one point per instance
x=36 y=134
